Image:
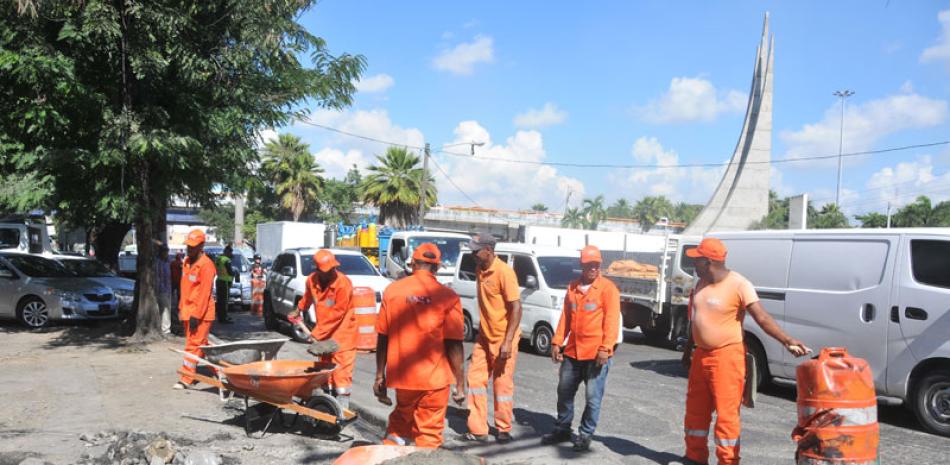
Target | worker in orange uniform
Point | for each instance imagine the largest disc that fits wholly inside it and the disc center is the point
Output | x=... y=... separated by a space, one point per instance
x=496 y=348
x=589 y=324
x=330 y=292
x=715 y=353
x=419 y=352
x=196 y=304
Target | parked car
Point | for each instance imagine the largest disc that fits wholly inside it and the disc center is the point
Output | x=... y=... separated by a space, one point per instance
x=543 y=276
x=37 y=291
x=286 y=283
x=240 y=292
x=123 y=288
x=884 y=294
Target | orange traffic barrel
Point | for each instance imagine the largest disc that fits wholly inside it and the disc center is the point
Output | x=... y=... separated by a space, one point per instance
x=364 y=306
x=837 y=411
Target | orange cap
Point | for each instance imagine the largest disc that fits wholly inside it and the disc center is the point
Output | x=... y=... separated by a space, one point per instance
x=710 y=248
x=427 y=252
x=591 y=254
x=195 y=238
x=325 y=260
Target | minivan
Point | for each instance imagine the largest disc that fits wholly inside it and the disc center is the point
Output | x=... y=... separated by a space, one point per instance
x=884 y=294
x=543 y=276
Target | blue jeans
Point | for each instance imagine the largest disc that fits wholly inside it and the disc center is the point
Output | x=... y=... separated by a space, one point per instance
x=572 y=373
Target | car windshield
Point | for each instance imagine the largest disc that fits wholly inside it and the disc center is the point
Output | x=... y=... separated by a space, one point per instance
x=559 y=271
x=87 y=268
x=449 y=247
x=352 y=265
x=38 y=267
x=238 y=260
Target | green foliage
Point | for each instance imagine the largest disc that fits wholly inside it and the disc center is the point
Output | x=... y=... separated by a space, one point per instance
x=620 y=209
x=829 y=217
x=685 y=212
x=393 y=185
x=220 y=221
x=920 y=213
x=872 y=220
x=340 y=196
x=574 y=219
x=539 y=208
x=295 y=174
x=650 y=209
x=594 y=212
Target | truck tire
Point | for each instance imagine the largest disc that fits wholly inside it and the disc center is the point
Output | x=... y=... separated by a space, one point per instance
x=541 y=339
x=659 y=334
x=270 y=319
x=931 y=401
x=754 y=347
x=469 y=329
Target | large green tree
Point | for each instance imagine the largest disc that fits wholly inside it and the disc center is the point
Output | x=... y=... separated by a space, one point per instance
x=574 y=219
x=872 y=220
x=594 y=212
x=117 y=105
x=295 y=174
x=394 y=183
x=650 y=209
x=830 y=216
x=620 y=209
x=921 y=213
x=340 y=196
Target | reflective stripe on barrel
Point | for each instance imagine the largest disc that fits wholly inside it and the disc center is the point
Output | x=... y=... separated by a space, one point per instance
x=364 y=306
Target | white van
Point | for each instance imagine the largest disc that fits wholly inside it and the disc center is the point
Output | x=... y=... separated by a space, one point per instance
x=543 y=276
x=31 y=238
x=884 y=294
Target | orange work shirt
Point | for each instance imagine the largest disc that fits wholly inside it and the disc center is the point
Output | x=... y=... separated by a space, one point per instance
x=336 y=318
x=497 y=286
x=590 y=320
x=718 y=310
x=197 y=280
x=417 y=315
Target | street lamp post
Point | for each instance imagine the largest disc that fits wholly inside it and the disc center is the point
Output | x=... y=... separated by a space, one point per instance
x=424 y=182
x=841 y=94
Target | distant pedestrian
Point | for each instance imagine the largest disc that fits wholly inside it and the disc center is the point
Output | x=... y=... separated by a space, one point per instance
x=257 y=286
x=419 y=352
x=715 y=353
x=225 y=279
x=197 y=303
x=163 y=287
x=496 y=348
x=584 y=344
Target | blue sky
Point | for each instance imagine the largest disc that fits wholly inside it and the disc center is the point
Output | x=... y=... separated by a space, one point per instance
x=641 y=82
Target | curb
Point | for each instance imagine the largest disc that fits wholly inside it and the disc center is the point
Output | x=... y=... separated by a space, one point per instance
x=368 y=415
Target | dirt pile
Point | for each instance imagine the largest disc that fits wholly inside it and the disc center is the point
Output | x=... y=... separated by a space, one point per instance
x=632 y=269
x=145 y=448
x=435 y=457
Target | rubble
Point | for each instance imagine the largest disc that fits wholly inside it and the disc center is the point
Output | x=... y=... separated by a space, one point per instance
x=145 y=448
x=435 y=457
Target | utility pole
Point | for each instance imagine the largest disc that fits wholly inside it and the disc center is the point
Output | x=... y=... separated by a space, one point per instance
x=423 y=185
x=841 y=94
x=888 y=214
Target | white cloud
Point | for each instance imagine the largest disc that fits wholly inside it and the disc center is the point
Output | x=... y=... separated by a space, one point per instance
x=864 y=125
x=462 y=58
x=691 y=99
x=548 y=115
x=901 y=184
x=337 y=153
x=940 y=51
x=495 y=184
x=691 y=184
x=377 y=83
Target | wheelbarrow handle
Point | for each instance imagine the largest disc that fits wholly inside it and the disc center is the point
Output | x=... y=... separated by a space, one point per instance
x=195 y=357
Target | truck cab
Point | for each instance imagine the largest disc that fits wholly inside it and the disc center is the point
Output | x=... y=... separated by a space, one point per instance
x=394 y=262
x=25 y=237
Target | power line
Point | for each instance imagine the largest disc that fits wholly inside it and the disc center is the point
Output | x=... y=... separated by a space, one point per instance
x=470 y=199
x=631 y=166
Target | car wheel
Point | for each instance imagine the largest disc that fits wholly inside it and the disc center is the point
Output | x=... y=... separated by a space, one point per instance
x=541 y=340
x=932 y=402
x=752 y=346
x=469 y=330
x=270 y=319
x=33 y=312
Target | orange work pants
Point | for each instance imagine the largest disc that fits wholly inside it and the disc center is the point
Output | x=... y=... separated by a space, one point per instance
x=716 y=379
x=193 y=341
x=485 y=366
x=341 y=380
x=419 y=417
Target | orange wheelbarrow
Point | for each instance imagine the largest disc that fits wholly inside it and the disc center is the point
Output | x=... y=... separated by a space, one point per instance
x=285 y=385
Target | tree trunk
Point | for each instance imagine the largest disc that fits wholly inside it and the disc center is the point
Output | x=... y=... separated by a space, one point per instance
x=150 y=214
x=107 y=240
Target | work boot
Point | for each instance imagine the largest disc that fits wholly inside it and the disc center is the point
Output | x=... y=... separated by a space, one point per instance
x=557 y=436
x=582 y=443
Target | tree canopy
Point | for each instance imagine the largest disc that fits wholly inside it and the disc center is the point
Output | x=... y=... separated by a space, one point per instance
x=393 y=184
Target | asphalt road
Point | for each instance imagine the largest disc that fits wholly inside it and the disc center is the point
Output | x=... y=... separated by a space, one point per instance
x=642 y=414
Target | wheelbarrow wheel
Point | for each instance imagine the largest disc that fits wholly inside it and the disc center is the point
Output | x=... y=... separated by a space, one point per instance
x=325 y=404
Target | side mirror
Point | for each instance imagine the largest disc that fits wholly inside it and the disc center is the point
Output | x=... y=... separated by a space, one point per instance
x=287 y=271
x=403 y=254
x=7 y=274
x=531 y=282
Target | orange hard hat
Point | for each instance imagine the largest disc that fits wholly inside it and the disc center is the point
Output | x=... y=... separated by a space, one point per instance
x=195 y=238
x=427 y=252
x=591 y=254
x=325 y=260
x=710 y=248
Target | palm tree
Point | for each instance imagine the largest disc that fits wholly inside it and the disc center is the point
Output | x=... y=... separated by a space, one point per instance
x=685 y=213
x=594 y=211
x=393 y=185
x=830 y=216
x=872 y=220
x=650 y=209
x=620 y=209
x=539 y=208
x=919 y=213
x=573 y=218
x=294 y=172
